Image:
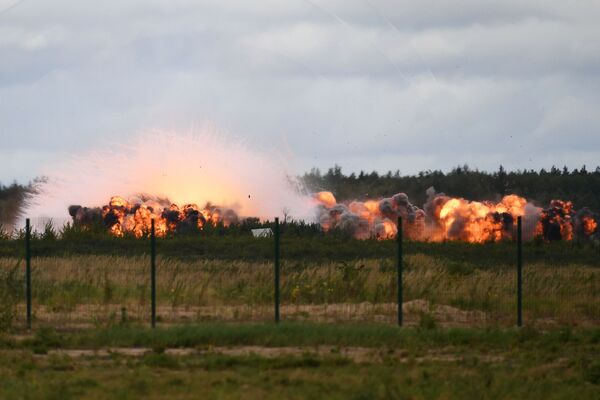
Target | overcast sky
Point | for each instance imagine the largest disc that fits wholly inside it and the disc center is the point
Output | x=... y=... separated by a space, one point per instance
x=366 y=84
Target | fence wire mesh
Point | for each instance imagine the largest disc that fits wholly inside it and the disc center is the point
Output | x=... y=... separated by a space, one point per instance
x=350 y=291
x=85 y=291
x=213 y=290
x=89 y=291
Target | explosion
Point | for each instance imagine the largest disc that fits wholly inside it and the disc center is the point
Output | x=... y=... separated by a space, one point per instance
x=442 y=218
x=556 y=221
x=450 y=218
x=120 y=216
x=587 y=223
x=190 y=170
x=370 y=218
x=182 y=171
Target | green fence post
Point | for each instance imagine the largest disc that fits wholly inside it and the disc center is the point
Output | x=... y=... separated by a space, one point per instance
x=400 y=267
x=28 y=270
x=153 y=272
x=277 y=299
x=519 y=272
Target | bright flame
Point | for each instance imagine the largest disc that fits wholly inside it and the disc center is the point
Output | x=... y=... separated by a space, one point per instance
x=326 y=198
x=479 y=222
x=121 y=216
x=589 y=225
x=556 y=221
x=370 y=218
x=453 y=218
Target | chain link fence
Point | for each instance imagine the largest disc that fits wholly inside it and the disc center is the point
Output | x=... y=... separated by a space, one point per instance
x=87 y=291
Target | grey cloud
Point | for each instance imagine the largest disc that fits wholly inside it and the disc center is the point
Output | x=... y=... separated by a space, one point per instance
x=363 y=83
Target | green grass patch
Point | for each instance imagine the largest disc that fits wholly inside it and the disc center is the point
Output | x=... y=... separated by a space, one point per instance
x=306 y=334
x=527 y=364
x=305 y=247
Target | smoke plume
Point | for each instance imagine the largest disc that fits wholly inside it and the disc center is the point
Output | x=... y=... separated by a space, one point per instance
x=185 y=169
x=451 y=218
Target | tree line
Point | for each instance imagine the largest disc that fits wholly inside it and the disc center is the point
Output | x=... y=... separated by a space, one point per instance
x=578 y=185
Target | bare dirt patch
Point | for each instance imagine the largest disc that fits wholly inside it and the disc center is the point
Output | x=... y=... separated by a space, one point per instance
x=87 y=316
x=84 y=316
x=355 y=354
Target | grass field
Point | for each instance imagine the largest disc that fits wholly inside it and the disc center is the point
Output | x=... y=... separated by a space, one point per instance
x=86 y=291
x=313 y=247
x=338 y=339
x=293 y=360
x=80 y=290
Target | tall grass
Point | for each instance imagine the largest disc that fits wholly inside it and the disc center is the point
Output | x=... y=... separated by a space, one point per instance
x=101 y=290
x=309 y=247
x=11 y=283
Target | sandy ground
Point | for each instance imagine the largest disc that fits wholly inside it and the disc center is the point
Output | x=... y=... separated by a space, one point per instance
x=355 y=354
x=86 y=316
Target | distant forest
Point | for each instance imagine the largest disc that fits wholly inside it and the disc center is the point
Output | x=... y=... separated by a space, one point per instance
x=580 y=186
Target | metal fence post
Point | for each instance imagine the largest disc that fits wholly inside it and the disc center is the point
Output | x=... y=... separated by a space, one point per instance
x=400 y=267
x=277 y=299
x=519 y=272
x=153 y=272
x=28 y=270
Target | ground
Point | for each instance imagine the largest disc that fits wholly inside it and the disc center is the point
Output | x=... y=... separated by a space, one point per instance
x=290 y=360
x=91 y=339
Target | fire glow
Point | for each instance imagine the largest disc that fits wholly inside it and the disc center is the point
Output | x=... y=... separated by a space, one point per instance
x=449 y=218
x=186 y=176
x=121 y=216
x=442 y=218
x=177 y=179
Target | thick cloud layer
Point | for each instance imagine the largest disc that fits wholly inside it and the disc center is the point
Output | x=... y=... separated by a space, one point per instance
x=367 y=84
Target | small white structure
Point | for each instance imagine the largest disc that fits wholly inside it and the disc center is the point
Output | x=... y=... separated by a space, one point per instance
x=263 y=232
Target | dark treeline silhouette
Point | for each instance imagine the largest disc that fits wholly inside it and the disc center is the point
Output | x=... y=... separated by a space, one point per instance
x=580 y=186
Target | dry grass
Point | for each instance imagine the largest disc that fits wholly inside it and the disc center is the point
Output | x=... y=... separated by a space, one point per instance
x=92 y=290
